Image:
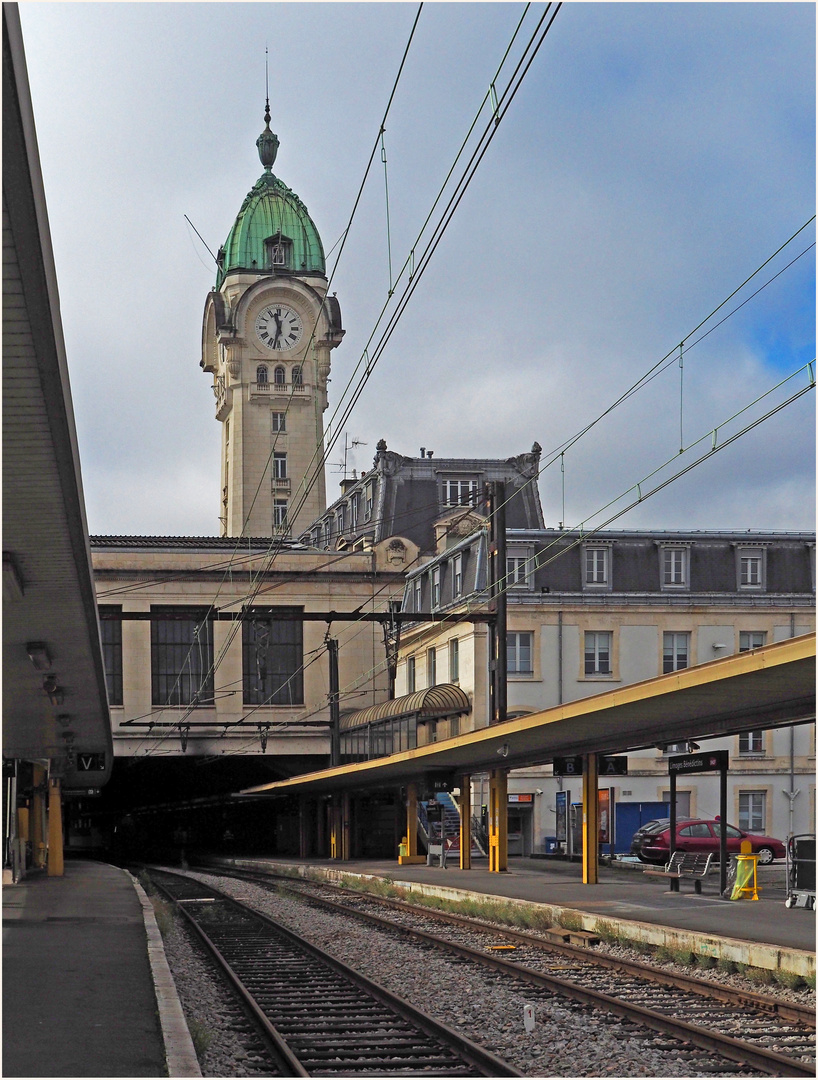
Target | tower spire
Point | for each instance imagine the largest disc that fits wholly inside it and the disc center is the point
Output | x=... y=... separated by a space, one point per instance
x=267 y=142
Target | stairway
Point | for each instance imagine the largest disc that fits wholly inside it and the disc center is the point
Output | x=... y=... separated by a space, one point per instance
x=451 y=821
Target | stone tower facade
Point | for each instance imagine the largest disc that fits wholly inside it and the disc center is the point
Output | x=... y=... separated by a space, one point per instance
x=268 y=330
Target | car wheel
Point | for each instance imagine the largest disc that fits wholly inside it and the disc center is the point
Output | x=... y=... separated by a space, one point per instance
x=765 y=855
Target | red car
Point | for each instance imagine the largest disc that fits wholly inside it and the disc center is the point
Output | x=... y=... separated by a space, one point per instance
x=651 y=843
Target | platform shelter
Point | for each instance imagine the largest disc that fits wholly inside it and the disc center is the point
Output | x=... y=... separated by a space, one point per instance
x=765 y=688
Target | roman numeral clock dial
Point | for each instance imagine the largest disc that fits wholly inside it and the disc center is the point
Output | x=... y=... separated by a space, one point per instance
x=279 y=327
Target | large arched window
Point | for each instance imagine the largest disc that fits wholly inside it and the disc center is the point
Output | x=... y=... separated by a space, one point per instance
x=261 y=375
x=298 y=379
x=279 y=376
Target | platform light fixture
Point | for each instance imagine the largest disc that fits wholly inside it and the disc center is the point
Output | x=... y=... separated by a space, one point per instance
x=39 y=655
x=55 y=693
x=13 y=587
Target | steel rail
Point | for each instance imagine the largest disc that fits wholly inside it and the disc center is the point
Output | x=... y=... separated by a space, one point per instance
x=476 y=1057
x=291 y=1066
x=778 y=1007
x=768 y=1061
x=789 y=1011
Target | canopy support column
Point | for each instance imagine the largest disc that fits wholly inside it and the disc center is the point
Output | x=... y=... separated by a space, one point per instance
x=303 y=827
x=464 y=805
x=38 y=818
x=56 y=865
x=498 y=821
x=346 y=829
x=590 y=820
x=339 y=827
x=411 y=855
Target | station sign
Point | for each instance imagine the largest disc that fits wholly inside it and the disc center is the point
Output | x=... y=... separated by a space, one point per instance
x=90 y=762
x=521 y=797
x=613 y=766
x=711 y=761
x=568 y=766
x=608 y=766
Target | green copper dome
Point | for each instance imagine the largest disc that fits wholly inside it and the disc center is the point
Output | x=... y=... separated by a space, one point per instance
x=273 y=231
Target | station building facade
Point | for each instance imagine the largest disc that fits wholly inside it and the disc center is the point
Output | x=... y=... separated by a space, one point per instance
x=216 y=650
x=217 y=646
x=588 y=613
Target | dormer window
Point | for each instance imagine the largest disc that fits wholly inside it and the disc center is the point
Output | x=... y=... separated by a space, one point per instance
x=751 y=565
x=519 y=565
x=261 y=375
x=674 y=567
x=459 y=492
x=596 y=567
x=279 y=250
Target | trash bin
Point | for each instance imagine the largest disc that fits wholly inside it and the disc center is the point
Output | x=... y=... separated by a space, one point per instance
x=551 y=845
x=746 y=878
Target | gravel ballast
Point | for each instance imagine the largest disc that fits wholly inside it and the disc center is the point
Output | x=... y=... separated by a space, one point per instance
x=566 y=1041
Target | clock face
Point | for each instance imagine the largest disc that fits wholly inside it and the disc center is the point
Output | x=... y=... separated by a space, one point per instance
x=279 y=327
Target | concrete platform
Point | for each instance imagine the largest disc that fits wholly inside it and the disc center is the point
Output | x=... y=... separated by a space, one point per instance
x=84 y=991
x=763 y=933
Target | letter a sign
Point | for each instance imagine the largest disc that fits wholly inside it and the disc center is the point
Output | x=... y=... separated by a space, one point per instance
x=613 y=766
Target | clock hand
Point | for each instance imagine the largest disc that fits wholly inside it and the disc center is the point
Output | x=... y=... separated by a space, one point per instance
x=278 y=329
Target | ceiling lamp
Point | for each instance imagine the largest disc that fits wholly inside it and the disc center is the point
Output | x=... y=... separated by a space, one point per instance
x=39 y=655
x=55 y=692
x=13 y=587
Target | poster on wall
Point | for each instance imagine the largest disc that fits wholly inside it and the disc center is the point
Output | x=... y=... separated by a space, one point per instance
x=563 y=802
x=604 y=815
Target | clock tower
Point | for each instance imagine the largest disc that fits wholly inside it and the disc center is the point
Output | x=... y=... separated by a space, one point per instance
x=268 y=330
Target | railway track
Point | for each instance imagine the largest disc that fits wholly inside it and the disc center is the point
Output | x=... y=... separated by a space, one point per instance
x=314 y=1015
x=755 y=1031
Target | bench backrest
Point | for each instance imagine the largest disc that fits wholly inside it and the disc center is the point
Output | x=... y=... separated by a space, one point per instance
x=690 y=862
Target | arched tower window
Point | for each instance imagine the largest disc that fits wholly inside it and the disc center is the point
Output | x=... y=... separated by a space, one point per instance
x=261 y=375
x=279 y=376
x=298 y=379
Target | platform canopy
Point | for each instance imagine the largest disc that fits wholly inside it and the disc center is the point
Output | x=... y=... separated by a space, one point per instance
x=55 y=705
x=430 y=704
x=764 y=688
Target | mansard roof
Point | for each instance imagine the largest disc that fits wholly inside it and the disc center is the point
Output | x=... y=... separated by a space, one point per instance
x=555 y=568
x=406 y=496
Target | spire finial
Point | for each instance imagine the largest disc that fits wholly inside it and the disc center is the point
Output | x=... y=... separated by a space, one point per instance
x=267 y=142
x=266 y=86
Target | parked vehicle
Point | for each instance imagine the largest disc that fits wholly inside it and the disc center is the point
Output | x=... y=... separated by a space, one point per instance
x=651 y=843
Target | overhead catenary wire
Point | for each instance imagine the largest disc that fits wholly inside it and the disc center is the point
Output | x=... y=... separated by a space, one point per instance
x=641 y=496
x=427 y=255
x=697 y=327
x=277 y=540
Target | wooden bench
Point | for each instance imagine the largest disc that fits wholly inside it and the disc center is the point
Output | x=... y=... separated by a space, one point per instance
x=690 y=864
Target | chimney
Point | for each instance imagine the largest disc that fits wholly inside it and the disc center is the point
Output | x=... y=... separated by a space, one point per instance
x=423 y=451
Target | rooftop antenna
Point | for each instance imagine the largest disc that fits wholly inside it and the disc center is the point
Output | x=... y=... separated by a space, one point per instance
x=342 y=465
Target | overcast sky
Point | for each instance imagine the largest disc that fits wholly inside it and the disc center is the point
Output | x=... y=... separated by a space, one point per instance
x=653 y=158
